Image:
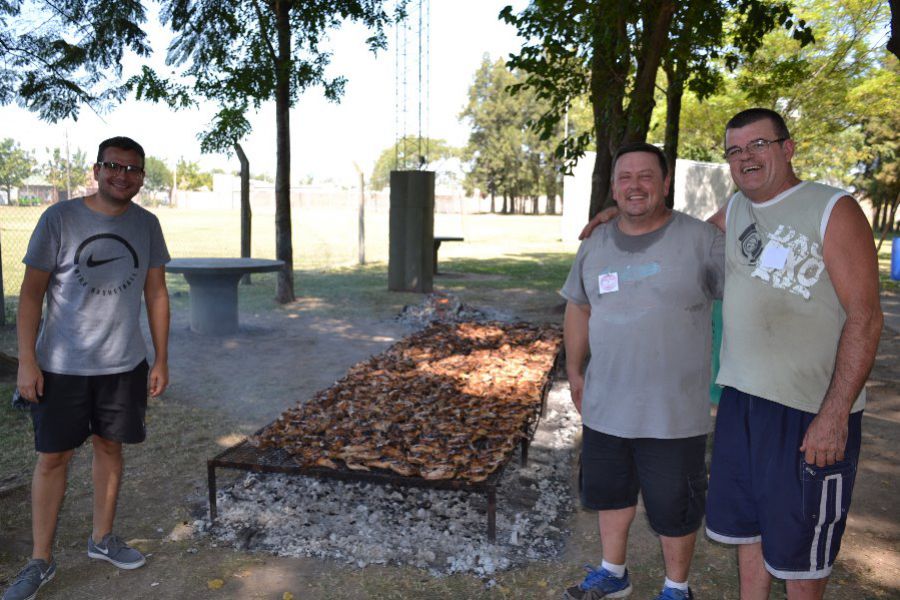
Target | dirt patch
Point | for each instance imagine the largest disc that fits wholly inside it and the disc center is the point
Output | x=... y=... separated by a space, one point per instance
x=223 y=388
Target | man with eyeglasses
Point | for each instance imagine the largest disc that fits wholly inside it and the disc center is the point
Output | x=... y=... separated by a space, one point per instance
x=85 y=373
x=801 y=323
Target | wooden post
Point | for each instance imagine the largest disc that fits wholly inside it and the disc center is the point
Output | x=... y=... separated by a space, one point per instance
x=246 y=214
x=2 y=289
x=361 y=239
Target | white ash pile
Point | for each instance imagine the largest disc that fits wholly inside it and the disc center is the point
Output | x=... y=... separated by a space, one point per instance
x=447 y=308
x=441 y=531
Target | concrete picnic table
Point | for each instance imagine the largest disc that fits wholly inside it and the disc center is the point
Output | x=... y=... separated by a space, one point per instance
x=213 y=284
x=437 y=244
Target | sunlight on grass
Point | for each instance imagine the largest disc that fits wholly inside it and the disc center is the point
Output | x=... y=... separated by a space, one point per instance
x=884 y=267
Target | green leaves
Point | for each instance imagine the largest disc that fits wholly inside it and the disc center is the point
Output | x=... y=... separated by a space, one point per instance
x=15 y=164
x=509 y=153
x=58 y=57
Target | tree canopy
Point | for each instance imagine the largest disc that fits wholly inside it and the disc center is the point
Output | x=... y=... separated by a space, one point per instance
x=191 y=177
x=157 y=176
x=66 y=173
x=16 y=165
x=61 y=56
x=243 y=53
x=407 y=151
x=838 y=96
x=505 y=156
x=612 y=50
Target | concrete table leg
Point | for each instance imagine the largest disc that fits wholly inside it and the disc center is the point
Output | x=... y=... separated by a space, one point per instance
x=214 y=302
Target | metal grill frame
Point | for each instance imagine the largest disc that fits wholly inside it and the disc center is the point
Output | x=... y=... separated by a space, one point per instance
x=245 y=457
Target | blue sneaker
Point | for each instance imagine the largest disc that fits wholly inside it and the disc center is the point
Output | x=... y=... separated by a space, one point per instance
x=111 y=548
x=675 y=594
x=600 y=583
x=30 y=579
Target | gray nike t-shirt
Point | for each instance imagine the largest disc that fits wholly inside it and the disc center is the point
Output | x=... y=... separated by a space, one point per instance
x=98 y=266
x=650 y=327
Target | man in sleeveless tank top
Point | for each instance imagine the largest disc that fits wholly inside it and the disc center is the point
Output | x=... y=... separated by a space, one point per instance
x=801 y=323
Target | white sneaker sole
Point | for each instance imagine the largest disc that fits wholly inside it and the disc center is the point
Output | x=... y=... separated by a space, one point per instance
x=620 y=594
x=121 y=565
x=623 y=594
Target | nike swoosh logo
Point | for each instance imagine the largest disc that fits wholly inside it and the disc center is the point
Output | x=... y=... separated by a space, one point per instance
x=98 y=548
x=96 y=263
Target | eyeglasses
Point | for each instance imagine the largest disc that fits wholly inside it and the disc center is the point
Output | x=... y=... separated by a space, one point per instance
x=754 y=147
x=119 y=169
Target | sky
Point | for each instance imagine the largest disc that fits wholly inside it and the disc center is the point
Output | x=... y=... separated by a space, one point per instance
x=326 y=138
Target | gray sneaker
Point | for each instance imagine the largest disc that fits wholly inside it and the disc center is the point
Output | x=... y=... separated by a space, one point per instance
x=30 y=579
x=111 y=548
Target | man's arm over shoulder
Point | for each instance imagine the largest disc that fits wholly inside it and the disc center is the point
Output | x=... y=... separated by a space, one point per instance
x=715 y=266
x=852 y=265
x=156 y=296
x=30 y=380
x=718 y=218
x=604 y=216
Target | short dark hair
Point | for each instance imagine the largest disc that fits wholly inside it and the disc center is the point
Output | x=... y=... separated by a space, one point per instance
x=643 y=147
x=752 y=115
x=122 y=143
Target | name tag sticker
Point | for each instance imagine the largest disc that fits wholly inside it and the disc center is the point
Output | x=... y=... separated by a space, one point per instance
x=774 y=256
x=609 y=282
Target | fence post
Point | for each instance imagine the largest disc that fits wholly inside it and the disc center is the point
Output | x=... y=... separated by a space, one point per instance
x=2 y=288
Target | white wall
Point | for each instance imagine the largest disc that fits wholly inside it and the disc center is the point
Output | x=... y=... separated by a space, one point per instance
x=700 y=189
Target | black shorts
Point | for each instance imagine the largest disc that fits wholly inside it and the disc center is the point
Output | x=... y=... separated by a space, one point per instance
x=670 y=475
x=74 y=407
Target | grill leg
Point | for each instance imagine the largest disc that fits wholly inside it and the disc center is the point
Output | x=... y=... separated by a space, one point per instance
x=525 y=444
x=211 y=478
x=492 y=515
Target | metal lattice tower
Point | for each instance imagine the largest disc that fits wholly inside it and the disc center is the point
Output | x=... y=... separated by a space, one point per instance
x=412 y=54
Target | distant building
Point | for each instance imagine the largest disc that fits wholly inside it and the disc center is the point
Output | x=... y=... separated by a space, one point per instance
x=37 y=188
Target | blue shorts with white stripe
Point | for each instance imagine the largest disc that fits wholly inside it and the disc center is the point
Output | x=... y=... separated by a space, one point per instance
x=762 y=489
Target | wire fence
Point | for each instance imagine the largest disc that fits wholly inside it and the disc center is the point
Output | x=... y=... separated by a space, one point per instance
x=325 y=231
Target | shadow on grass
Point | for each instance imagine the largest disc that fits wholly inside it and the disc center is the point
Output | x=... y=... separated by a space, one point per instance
x=343 y=290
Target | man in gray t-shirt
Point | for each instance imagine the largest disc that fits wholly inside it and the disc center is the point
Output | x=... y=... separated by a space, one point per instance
x=640 y=296
x=84 y=368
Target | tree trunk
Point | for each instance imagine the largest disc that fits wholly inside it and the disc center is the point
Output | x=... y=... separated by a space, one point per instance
x=674 y=94
x=361 y=220
x=657 y=22
x=888 y=223
x=610 y=61
x=2 y=288
x=246 y=214
x=893 y=44
x=284 y=289
x=878 y=215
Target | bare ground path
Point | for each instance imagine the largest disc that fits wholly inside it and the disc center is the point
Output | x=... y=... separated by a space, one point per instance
x=224 y=388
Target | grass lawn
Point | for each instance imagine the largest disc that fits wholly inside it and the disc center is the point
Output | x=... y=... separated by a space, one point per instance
x=884 y=267
x=325 y=243
x=16 y=439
